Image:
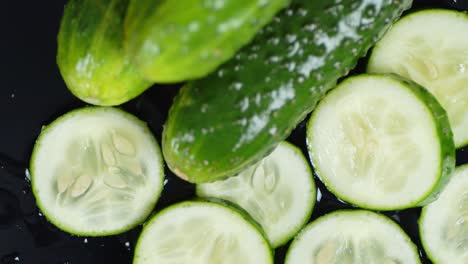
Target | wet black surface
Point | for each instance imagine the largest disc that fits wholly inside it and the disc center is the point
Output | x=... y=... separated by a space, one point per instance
x=32 y=94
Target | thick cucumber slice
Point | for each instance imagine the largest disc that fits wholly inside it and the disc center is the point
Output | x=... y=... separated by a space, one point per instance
x=431 y=48
x=278 y=192
x=348 y=237
x=444 y=223
x=96 y=171
x=202 y=233
x=381 y=142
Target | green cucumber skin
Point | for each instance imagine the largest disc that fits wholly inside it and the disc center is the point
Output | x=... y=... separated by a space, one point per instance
x=444 y=132
x=178 y=40
x=90 y=53
x=220 y=124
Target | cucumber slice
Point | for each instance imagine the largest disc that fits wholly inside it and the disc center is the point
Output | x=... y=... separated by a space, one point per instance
x=381 y=142
x=202 y=233
x=278 y=192
x=96 y=171
x=444 y=223
x=431 y=48
x=347 y=237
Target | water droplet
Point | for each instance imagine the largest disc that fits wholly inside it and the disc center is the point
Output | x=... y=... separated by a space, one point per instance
x=194 y=26
x=85 y=241
x=26 y=173
x=461 y=68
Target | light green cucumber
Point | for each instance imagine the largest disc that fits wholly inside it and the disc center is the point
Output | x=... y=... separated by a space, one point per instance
x=90 y=53
x=178 y=40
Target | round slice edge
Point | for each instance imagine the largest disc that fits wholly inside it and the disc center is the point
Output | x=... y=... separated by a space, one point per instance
x=352 y=236
x=96 y=171
x=381 y=142
x=200 y=232
x=278 y=192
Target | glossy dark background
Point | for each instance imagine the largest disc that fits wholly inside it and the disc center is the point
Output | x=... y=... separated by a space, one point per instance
x=32 y=93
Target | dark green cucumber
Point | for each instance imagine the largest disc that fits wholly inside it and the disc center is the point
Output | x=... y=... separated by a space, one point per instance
x=178 y=40
x=220 y=124
x=90 y=54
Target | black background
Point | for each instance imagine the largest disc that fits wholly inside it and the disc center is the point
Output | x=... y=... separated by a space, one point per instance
x=32 y=93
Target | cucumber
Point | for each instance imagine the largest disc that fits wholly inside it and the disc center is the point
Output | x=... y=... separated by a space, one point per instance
x=443 y=225
x=178 y=40
x=96 y=171
x=381 y=142
x=199 y=232
x=90 y=53
x=431 y=48
x=348 y=237
x=219 y=125
x=278 y=192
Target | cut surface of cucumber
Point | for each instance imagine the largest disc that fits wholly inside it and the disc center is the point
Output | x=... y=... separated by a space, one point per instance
x=198 y=232
x=96 y=171
x=381 y=142
x=431 y=48
x=444 y=223
x=352 y=237
x=278 y=192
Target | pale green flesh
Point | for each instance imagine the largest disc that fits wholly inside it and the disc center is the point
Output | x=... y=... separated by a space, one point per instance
x=375 y=144
x=352 y=237
x=431 y=48
x=444 y=223
x=96 y=171
x=278 y=192
x=201 y=233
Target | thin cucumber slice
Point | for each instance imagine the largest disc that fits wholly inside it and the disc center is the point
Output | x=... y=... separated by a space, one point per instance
x=202 y=233
x=278 y=192
x=96 y=171
x=444 y=223
x=348 y=237
x=431 y=48
x=381 y=142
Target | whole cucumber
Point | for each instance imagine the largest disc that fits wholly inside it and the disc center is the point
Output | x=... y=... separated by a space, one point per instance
x=220 y=124
x=90 y=53
x=179 y=40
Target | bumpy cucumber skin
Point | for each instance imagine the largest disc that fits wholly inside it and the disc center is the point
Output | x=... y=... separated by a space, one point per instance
x=178 y=40
x=444 y=132
x=38 y=145
x=307 y=214
x=424 y=243
x=208 y=202
x=90 y=53
x=220 y=124
x=350 y=212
